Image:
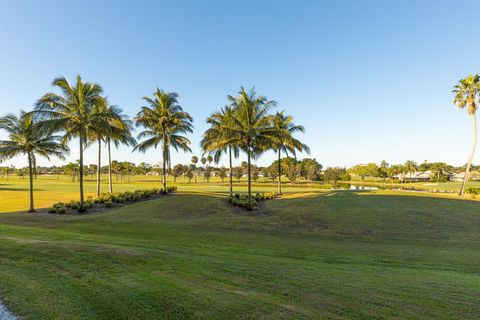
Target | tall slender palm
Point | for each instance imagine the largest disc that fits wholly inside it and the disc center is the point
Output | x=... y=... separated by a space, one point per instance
x=165 y=124
x=466 y=92
x=284 y=140
x=119 y=131
x=252 y=128
x=72 y=113
x=194 y=164
x=28 y=138
x=220 y=138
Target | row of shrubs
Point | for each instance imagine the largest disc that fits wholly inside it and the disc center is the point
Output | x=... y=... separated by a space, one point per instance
x=108 y=199
x=241 y=201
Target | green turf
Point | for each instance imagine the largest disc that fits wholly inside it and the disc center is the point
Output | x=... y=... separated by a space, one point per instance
x=188 y=255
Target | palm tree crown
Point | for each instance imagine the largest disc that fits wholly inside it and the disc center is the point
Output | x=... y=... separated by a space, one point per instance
x=252 y=129
x=466 y=92
x=165 y=124
x=284 y=140
x=26 y=137
x=73 y=113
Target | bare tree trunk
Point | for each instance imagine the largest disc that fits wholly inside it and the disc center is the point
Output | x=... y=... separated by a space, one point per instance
x=110 y=186
x=80 y=170
x=279 y=171
x=470 y=158
x=249 y=177
x=231 y=168
x=30 y=173
x=99 y=166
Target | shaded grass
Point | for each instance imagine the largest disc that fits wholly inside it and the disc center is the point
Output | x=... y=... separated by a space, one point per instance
x=329 y=255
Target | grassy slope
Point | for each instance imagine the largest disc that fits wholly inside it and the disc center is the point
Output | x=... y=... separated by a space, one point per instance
x=330 y=255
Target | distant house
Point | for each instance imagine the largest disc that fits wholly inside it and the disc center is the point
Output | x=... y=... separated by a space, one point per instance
x=473 y=175
x=414 y=176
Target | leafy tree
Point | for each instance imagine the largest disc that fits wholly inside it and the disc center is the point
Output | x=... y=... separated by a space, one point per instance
x=165 y=123
x=222 y=173
x=189 y=175
x=334 y=174
x=238 y=173
x=364 y=170
x=466 y=92
x=382 y=170
x=26 y=137
x=207 y=174
x=255 y=173
x=177 y=172
x=72 y=112
x=310 y=169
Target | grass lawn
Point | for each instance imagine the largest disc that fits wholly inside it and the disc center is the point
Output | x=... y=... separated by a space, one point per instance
x=325 y=255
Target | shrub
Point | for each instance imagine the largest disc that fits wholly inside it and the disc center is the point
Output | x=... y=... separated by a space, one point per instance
x=108 y=204
x=88 y=204
x=58 y=205
x=61 y=210
x=74 y=205
x=52 y=210
x=237 y=195
x=473 y=191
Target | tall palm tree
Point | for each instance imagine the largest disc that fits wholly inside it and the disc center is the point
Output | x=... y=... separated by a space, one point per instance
x=165 y=123
x=220 y=138
x=284 y=140
x=194 y=163
x=28 y=138
x=466 y=92
x=253 y=128
x=119 y=131
x=72 y=113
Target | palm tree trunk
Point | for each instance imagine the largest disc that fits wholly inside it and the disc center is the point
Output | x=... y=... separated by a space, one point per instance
x=472 y=152
x=231 y=168
x=249 y=177
x=110 y=187
x=80 y=170
x=164 y=164
x=98 y=166
x=279 y=171
x=30 y=173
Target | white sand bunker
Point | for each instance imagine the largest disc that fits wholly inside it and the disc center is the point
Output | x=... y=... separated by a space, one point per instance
x=5 y=314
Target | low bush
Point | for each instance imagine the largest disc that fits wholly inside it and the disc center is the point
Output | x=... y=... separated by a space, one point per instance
x=52 y=210
x=108 y=204
x=241 y=200
x=61 y=210
x=473 y=191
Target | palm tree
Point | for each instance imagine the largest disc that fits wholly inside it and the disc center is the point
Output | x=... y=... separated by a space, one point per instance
x=194 y=163
x=119 y=131
x=284 y=140
x=466 y=92
x=28 y=138
x=165 y=123
x=72 y=112
x=219 y=138
x=410 y=167
x=252 y=129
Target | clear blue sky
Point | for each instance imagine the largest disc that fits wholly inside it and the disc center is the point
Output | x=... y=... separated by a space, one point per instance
x=370 y=80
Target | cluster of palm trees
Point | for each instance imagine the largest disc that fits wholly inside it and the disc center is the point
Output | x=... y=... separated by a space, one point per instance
x=245 y=124
x=81 y=111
